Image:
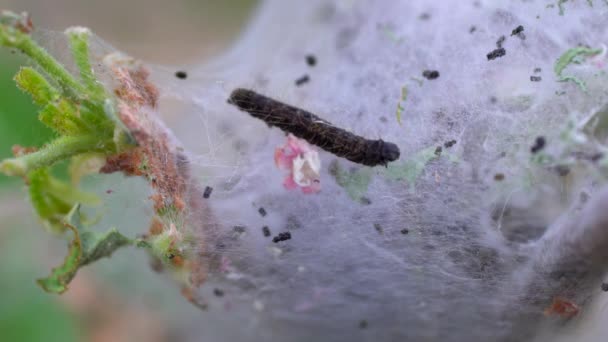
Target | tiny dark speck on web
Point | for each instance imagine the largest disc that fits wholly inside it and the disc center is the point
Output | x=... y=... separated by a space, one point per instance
x=517 y=30
x=302 y=80
x=365 y=201
x=500 y=41
x=496 y=53
x=378 y=228
x=535 y=78
x=282 y=237
x=311 y=60
x=499 y=177
x=239 y=229
x=266 y=231
x=425 y=16
x=562 y=170
x=207 y=192
x=363 y=324
x=182 y=75
x=262 y=211
x=430 y=74
x=405 y=231
x=218 y=292
x=539 y=144
x=605 y=287
x=449 y=144
x=438 y=151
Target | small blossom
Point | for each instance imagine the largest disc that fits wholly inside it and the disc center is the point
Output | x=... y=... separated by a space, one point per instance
x=302 y=161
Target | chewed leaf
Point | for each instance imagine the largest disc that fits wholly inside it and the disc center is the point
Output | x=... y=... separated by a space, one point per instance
x=53 y=199
x=96 y=246
x=355 y=182
x=85 y=248
x=573 y=56
x=62 y=275
x=411 y=169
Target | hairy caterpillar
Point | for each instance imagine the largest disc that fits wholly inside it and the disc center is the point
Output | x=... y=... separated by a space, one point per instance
x=308 y=126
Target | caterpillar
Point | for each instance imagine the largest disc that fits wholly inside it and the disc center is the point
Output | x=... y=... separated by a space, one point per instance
x=308 y=126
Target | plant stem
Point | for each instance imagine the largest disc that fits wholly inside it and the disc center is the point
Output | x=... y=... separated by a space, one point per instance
x=56 y=71
x=60 y=149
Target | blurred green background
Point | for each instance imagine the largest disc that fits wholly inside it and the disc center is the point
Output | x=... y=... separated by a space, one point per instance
x=175 y=33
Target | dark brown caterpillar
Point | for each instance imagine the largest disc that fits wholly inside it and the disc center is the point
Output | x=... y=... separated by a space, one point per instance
x=307 y=126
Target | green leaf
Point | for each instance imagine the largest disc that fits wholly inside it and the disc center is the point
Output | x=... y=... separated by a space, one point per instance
x=355 y=182
x=53 y=199
x=399 y=106
x=62 y=275
x=33 y=83
x=14 y=32
x=96 y=246
x=571 y=56
x=61 y=116
x=85 y=248
x=79 y=43
x=412 y=168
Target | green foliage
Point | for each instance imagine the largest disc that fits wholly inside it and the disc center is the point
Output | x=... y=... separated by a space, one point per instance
x=53 y=199
x=81 y=113
x=355 y=182
x=412 y=168
x=399 y=105
x=32 y=82
x=76 y=109
x=573 y=56
x=17 y=124
x=86 y=247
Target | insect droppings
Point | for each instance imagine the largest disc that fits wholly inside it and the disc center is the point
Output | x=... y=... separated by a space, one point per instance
x=311 y=60
x=539 y=144
x=308 y=126
x=182 y=75
x=266 y=231
x=519 y=32
x=430 y=74
x=500 y=41
x=449 y=144
x=438 y=151
x=378 y=228
x=496 y=53
x=262 y=211
x=282 y=237
x=302 y=80
x=207 y=192
x=365 y=201
x=405 y=231
x=605 y=287
x=218 y=292
x=239 y=229
x=535 y=78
